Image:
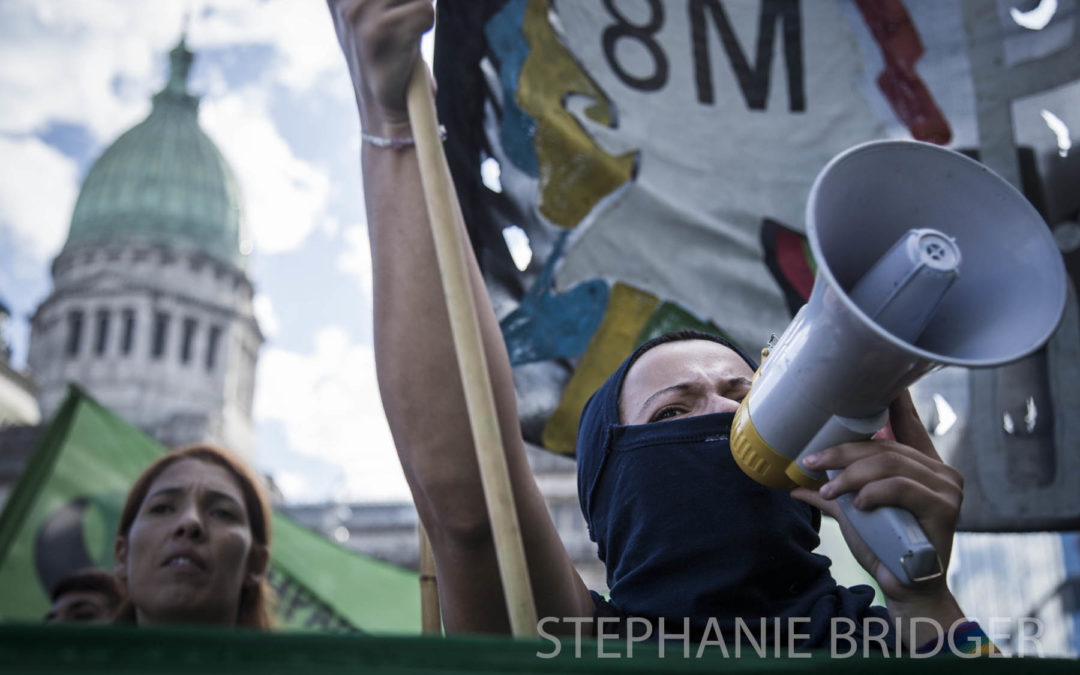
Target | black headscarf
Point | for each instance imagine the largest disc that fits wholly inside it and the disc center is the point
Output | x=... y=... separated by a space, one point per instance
x=685 y=533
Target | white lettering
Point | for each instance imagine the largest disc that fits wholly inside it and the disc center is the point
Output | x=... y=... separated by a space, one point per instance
x=631 y=638
x=999 y=633
x=1033 y=638
x=868 y=637
x=684 y=636
x=793 y=636
x=548 y=636
x=915 y=642
x=741 y=630
x=578 y=621
x=954 y=648
x=601 y=636
x=712 y=627
x=834 y=629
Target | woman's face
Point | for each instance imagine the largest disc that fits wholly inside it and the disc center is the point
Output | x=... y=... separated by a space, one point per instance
x=683 y=379
x=190 y=550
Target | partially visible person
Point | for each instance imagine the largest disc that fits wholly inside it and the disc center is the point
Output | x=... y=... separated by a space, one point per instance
x=86 y=596
x=193 y=543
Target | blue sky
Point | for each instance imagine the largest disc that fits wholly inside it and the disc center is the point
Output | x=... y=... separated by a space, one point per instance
x=276 y=99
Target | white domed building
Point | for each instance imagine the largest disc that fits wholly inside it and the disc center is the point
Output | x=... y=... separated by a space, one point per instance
x=151 y=310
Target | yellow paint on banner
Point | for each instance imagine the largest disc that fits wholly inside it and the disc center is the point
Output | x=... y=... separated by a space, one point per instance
x=627 y=311
x=575 y=173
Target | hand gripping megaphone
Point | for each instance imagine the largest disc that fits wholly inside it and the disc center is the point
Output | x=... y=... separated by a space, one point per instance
x=924 y=258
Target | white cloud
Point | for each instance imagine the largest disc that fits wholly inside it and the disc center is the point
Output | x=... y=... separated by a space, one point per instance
x=329 y=225
x=38 y=186
x=328 y=404
x=294 y=485
x=285 y=197
x=59 y=58
x=355 y=258
x=265 y=314
x=58 y=62
x=61 y=61
x=301 y=32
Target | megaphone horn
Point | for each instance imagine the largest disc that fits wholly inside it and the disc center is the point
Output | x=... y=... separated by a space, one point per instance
x=925 y=258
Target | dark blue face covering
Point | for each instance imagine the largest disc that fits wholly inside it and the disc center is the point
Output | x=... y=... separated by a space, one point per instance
x=685 y=533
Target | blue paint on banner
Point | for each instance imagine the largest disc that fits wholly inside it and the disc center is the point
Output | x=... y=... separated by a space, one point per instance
x=547 y=326
x=504 y=36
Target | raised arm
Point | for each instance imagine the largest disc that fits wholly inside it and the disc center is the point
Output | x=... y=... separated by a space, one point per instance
x=417 y=368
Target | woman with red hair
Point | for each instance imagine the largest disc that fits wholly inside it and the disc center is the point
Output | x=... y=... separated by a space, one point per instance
x=193 y=543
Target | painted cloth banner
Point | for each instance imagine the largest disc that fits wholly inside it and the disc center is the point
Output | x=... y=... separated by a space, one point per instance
x=657 y=155
x=63 y=513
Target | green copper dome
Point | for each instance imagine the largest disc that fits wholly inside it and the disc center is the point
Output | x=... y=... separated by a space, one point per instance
x=163 y=181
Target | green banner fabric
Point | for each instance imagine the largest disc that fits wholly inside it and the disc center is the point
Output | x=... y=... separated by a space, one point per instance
x=63 y=512
x=115 y=650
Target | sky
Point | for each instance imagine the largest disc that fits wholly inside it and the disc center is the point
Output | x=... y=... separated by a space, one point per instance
x=276 y=99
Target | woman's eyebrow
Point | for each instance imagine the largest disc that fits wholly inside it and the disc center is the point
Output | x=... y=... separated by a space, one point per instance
x=165 y=492
x=212 y=494
x=680 y=387
x=216 y=495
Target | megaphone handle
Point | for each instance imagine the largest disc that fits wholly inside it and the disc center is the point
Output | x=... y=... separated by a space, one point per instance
x=893 y=534
x=896 y=538
x=839 y=430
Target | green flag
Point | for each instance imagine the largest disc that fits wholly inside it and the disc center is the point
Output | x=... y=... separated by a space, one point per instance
x=63 y=512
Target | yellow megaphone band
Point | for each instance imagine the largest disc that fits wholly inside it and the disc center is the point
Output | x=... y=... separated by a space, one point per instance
x=761 y=462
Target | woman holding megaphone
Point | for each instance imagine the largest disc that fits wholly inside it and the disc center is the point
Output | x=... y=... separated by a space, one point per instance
x=686 y=537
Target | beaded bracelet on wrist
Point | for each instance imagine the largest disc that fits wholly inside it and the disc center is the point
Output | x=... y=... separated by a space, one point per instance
x=395 y=142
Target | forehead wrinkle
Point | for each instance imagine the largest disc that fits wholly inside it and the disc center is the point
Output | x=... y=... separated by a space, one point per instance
x=179 y=490
x=165 y=492
x=727 y=382
x=194 y=473
x=702 y=365
x=680 y=387
x=218 y=495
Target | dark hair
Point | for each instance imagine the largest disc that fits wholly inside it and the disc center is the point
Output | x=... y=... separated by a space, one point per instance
x=679 y=336
x=90 y=579
x=255 y=600
x=687 y=334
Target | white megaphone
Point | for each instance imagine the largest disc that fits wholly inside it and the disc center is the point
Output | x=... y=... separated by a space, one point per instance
x=924 y=258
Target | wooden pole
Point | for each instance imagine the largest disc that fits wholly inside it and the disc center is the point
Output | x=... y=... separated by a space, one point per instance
x=430 y=615
x=451 y=244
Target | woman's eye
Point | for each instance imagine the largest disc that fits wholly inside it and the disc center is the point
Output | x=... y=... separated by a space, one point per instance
x=665 y=413
x=160 y=507
x=741 y=389
x=224 y=514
